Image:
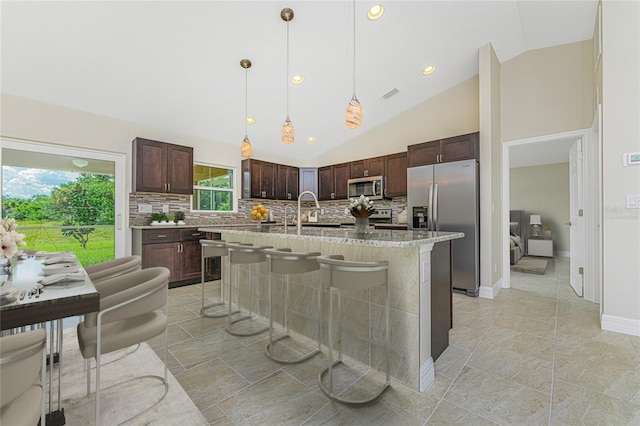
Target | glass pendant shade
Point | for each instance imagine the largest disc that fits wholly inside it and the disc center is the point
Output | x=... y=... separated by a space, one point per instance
x=354 y=113
x=288 y=132
x=246 y=148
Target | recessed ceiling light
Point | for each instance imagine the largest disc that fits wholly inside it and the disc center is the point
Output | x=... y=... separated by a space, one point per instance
x=297 y=79
x=310 y=140
x=249 y=120
x=428 y=70
x=375 y=12
x=80 y=162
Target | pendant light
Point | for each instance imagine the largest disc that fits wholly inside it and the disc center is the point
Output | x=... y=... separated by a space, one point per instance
x=354 y=109
x=246 y=148
x=288 y=132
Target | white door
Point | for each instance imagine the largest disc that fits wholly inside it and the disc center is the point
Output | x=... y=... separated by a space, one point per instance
x=576 y=219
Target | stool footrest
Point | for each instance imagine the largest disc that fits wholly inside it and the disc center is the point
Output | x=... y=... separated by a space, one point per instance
x=224 y=313
x=285 y=360
x=230 y=330
x=329 y=392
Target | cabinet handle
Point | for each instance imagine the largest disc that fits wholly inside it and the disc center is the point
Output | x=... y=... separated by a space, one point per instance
x=168 y=187
x=197 y=234
x=161 y=236
x=366 y=173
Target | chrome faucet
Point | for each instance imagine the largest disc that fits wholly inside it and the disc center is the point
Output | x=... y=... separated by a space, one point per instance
x=285 y=215
x=299 y=197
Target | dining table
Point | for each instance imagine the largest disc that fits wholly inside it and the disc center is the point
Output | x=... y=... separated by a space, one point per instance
x=37 y=292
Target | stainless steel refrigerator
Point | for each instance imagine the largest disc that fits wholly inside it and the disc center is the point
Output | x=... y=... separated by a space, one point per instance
x=445 y=197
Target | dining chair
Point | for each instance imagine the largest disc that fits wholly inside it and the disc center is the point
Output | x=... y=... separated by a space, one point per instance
x=130 y=313
x=22 y=369
x=113 y=268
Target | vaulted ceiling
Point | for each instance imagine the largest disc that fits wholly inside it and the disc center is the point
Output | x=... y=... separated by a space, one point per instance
x=176 y=65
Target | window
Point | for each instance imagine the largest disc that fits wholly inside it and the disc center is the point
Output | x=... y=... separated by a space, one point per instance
x=212 y=188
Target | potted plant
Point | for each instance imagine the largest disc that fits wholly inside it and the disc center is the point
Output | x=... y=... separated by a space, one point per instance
x=171 y=219
x=156 y=218
x=179 y=217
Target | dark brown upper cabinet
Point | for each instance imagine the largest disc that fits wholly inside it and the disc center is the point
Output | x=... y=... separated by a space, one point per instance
x=332 y=181
x=287 y=183
x=463 y=147
x=162 y=167
x=367 y=167
x=396 y=175
x=258 y=179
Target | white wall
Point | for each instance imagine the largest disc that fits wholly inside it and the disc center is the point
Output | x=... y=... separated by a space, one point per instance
x=621 y=133
x=543 y=190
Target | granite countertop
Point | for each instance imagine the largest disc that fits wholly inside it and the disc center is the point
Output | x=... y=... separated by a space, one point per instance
x=189 y=226
x=377 y=237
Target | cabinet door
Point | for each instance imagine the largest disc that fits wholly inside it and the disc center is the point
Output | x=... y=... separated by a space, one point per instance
x=341 y=176
x=150 y=160
x=375 y=167
x=179 y=169
x=325 y=183
x=458 y=148
x=281 y=182
x=357 y=169
x=190 y=260
x=269 y=173
x=292 y=183
x=308 y=182
x=396 y=175
x=423 y=153
x=165 y=254
x=255 y=172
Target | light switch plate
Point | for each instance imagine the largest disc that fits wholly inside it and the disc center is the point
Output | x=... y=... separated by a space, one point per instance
x=633 y=201
x=165 y=208
x=144 y=208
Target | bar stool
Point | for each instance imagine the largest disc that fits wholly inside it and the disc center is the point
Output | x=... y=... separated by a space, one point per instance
x=214 y=248
x=344 y=275
x=243 y=254
x=283 y=261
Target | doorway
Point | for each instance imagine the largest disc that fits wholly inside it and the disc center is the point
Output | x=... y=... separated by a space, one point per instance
x=561 y=142
x=57 y=161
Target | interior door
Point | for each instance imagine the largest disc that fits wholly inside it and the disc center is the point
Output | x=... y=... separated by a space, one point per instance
x=576 y=219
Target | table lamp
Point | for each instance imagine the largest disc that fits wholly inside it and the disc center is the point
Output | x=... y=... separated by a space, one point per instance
x=536 y=225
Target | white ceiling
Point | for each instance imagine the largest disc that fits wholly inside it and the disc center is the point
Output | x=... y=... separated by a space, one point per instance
x=175 y=65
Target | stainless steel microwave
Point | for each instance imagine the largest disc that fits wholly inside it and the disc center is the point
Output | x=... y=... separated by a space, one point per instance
x=372 y=187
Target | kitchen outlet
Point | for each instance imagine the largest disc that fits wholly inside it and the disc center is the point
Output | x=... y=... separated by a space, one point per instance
x=346 y=210
x=144 y=208
x=165 y=208
x=321 y=211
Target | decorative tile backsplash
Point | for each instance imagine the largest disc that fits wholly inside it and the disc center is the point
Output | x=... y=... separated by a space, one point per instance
x=330 y=211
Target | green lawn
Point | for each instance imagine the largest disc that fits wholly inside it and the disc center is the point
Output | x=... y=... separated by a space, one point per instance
x=100 y=247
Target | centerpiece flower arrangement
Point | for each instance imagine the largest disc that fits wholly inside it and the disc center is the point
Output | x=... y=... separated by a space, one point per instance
x=361 y=208
x=10 y=240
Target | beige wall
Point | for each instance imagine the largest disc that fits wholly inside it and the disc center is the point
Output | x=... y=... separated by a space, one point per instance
x=544 y=190
x=451 y=113
x=621 y=133
x=547 y=91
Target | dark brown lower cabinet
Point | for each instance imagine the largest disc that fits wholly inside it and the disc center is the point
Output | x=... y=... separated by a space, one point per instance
x=441 y=298
x=178 y=250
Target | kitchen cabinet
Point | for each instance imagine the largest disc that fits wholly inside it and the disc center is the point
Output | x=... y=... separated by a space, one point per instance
x=308 y=182
x=332 y=181
x=395 y=175
x=162 y=167
x=367 y=167
x=258 y=179
x=463 y=147
x=287 y=182
x=178 y=250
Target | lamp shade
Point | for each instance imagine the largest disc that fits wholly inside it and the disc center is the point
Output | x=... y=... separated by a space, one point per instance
x=354 y=114
x=246 y=148
x=288 y=132
x=534 y=219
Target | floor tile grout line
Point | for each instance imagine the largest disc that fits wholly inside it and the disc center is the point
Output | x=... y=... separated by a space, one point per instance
x=555 y=342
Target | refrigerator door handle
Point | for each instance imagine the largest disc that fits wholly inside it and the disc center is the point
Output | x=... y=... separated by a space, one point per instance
x=430 y=209
x=436 y=225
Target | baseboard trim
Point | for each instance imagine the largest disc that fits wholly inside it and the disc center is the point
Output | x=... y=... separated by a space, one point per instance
x=562 y=254
x=621 y=325
x=487 y=292
x=427 y=374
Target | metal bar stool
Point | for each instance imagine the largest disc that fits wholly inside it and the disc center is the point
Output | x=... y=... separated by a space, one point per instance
x=243 y=254
x=214 y=248
x=283 y=261
x=344 y=275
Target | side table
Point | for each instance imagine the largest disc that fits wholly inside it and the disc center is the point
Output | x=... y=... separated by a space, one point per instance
x=540 y=247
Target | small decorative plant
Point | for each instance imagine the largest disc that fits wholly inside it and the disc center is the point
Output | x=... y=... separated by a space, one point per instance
x=158 y=217
x=179 y=216
x=360 y=207
x=171 y=217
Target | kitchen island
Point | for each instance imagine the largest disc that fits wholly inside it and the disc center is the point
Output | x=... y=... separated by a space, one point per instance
x=419 y=283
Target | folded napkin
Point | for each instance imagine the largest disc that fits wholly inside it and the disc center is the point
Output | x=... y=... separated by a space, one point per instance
x=62 y=268
x=58 y=278
x=61 y=259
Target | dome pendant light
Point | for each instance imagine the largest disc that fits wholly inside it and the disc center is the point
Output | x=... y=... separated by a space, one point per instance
x=246 y=148
x=288 y=132
x=354 y=109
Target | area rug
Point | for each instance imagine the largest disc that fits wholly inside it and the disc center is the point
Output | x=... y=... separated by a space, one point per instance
x=531 y=265
x=120 y=403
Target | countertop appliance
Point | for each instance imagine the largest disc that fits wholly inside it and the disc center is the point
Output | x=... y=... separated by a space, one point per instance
x=371 y=186
x=445 y=197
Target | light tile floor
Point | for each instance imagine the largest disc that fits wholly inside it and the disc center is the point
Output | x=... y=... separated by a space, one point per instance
x=533 y=355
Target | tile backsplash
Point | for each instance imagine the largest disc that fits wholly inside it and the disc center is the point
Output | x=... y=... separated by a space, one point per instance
x=330 y=211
